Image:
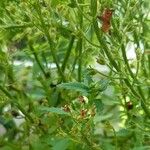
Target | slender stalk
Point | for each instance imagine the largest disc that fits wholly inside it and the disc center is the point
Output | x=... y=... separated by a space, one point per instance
x=78 y=2
x=95 y=45
x=108 y=76
x=149 y=64
x=114 y=64
x=46 y=32
x=137 y=69
x=68 y=53
x=104 y=46
x=149 y=74
x=80 y=41
x=112 y=61
x=37 y=59
x=5 y=92
x=131 y=73
x=79 y=60
x=116 y=142
x=142 y=97
x=12 y=26
x=143 y=66
x=75 y=60
x=126 y=60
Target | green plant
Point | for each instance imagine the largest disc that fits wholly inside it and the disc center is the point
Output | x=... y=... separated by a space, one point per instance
x=64 y=101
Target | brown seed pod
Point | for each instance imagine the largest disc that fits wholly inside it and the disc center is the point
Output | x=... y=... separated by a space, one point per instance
x=107 y=15
x=66 y=108
x=106 y=18
x=81 y=99
x=105 y=27
x=14 y=113
x=83 y=113
x=129 y=105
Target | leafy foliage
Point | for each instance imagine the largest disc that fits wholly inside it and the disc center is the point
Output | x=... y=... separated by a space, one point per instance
x=67 y=79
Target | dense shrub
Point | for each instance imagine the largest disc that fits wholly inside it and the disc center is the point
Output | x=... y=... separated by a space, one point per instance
x=74 y=75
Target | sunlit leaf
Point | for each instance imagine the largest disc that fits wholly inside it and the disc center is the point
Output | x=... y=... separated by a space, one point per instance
x=75 y=86
x=52 y=110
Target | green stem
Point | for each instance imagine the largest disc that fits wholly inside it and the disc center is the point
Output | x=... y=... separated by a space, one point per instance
x=80 y=60
x=95 y=45
x=78 y=2
x=12 y=26
x=126 y=60
x=68 y=53
x=140 y=95
x=5 y=92
x=93 y=8
x=137 y=69
x=116 y=142
x=131 y=88
x=149 y=74
x=104 y=46
x=143 y=66
x=149 y=64
x=46 y=32
x=37 y=59
x=112 y=61
x=129 y=70
x=80 y=41
x=75 y=59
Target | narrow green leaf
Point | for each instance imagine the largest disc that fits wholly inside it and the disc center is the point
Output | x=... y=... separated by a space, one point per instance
x=123 y=133
x=103 y=84
x=76 y=86
x=61 y=144
x=93 y=7
x=53 y=110
x=99 y=105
